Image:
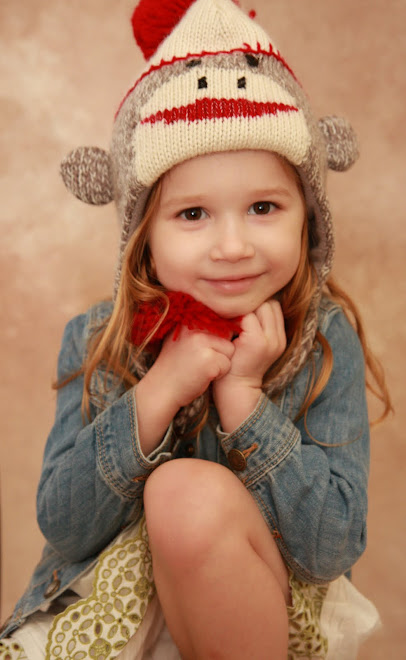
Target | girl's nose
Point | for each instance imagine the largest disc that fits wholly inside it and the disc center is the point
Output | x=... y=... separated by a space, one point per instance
x=232 y=243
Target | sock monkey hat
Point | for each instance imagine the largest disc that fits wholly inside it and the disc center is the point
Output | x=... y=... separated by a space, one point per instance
x=214 y=81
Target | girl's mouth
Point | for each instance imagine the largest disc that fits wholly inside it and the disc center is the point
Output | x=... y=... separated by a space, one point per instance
x=233 y=285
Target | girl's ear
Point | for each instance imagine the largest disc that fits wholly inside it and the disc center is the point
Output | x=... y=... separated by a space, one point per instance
x=86 y=172
x=341 y=142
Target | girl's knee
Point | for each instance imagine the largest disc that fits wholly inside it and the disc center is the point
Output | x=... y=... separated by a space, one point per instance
x=196 y=510
x=189 y=504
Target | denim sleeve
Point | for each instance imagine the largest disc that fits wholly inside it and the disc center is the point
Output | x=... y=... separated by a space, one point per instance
x=93 y=474
x=310 y=478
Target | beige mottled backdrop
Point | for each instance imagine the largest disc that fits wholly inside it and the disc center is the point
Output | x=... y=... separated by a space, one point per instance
x=65 y=64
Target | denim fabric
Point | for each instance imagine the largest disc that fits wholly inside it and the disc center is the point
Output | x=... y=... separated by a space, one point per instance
x=313 y=495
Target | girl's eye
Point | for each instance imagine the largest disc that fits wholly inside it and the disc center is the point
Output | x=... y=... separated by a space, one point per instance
x=261 y=208
x=195 y=213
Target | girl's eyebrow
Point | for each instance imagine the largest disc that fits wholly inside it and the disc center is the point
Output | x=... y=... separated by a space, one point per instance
x=280 y=191
x=184 y=201
x=200 y=199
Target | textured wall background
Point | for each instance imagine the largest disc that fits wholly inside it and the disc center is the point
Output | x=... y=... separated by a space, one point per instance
x=64 y=67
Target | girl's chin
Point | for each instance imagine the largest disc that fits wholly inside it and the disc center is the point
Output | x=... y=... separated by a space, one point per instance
x=232 y=312
x=227 y=307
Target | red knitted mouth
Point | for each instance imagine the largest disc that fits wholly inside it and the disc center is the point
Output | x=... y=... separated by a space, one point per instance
x=217 y=109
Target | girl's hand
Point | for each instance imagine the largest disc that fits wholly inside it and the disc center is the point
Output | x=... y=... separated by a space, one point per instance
x=182 y=371
x=190 y=363
x=261 y=342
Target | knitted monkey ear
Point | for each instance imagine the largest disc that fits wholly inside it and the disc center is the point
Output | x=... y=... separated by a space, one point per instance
x=341 y=141
x=86 y=172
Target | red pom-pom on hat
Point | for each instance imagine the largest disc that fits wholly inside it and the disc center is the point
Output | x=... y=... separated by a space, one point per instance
x=154 y=20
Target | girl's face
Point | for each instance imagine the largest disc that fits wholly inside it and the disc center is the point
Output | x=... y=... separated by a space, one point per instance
x=227 y=229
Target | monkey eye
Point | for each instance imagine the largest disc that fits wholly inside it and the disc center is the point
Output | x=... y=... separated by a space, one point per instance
x=193 y=63
x=252 y=61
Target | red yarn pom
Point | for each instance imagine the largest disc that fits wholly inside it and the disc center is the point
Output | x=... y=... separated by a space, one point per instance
x=153 y=20
x=183 y=310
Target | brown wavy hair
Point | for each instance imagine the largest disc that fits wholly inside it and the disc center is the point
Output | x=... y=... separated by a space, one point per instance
x=110 y=347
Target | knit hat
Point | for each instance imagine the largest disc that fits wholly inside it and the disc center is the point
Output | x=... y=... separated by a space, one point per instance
x=214 y=81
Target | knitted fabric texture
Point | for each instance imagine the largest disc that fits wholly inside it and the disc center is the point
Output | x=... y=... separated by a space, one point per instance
x=214 y=81
x=183 y=310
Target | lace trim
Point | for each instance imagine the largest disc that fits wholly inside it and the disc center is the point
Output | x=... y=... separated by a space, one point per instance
x=11 y=651
x=306 y=640
x=100 y=626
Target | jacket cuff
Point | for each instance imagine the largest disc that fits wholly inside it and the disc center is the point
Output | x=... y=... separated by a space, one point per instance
x=121 y=460
x=260 y=442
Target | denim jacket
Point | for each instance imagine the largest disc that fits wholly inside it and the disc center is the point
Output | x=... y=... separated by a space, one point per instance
x=309 y=478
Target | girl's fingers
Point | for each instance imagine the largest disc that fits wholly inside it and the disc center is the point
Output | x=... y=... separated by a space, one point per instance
x=266 y=318
x=269 y=314
x=192 y=339
x=251 y=324
x=279 y=321
x=268 y=324
x=223 y=346
x=224 y=364
x=270 y=317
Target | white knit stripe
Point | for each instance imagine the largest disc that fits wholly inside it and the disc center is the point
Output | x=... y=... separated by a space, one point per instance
x=158 y=147
x=214 y=26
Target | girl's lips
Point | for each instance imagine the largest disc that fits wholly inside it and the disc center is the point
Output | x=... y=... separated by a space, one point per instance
x=232 y=285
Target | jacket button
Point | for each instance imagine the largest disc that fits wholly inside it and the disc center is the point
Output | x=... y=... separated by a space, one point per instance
x=189 y=450
x=52 y=587
x=237 y=460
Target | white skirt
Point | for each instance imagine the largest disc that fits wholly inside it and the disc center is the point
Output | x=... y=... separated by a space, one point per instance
x=347 y=617
x=347 y=620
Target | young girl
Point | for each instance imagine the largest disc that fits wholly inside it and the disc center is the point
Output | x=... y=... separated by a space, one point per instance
x=219 y=400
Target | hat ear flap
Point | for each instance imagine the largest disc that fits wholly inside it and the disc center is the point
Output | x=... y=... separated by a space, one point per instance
x=341 y=142
x=86 y=172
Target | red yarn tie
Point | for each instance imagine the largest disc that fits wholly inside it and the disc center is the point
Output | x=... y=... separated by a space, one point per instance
x=183 y=310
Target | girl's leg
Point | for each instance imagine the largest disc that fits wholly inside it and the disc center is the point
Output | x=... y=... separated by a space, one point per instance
x=221 y=581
